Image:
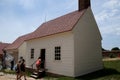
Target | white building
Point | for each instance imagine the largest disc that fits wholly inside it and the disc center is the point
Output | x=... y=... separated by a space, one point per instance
x=70 y=45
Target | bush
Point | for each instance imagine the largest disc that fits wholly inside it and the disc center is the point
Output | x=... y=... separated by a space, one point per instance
x=115 y=48
x=112 y=55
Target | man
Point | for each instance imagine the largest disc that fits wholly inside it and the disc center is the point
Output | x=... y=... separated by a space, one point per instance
x=22 y=68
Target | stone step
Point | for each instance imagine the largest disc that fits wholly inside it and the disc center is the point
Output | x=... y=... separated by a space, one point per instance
x=39 y=74
x=34 y=76
x=35 y=73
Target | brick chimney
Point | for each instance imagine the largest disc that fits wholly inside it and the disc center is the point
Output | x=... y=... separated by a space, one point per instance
x=83 y=4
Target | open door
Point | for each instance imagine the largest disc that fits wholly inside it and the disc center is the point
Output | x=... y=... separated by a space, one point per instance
x=42 y=54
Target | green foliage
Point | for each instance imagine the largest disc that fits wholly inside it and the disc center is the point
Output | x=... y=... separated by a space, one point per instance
x=115 y=48
x=28 y=73
x=112 y=55
x=104 y=49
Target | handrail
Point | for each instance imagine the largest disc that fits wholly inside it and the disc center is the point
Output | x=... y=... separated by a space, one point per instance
x=33 y=64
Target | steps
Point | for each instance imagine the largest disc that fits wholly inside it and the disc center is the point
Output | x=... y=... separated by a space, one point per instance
x=39 y=74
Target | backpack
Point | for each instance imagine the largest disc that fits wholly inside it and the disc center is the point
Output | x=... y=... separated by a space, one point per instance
x=22 y=67
x=16 y=68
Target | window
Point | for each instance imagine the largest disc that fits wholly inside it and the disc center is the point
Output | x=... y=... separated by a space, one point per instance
x=32 y=53
x=58 y=53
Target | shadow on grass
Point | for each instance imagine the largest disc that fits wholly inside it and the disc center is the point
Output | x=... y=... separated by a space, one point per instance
x=99 y=74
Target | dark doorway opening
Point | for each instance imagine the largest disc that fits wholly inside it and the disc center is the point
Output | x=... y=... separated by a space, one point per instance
x=42 y=55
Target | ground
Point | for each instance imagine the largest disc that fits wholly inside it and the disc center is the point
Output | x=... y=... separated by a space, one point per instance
x=111 y=71
x=13 y=77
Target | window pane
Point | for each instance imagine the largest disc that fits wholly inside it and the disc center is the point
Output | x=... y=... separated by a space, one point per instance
x=32 y=53
x=57 y=53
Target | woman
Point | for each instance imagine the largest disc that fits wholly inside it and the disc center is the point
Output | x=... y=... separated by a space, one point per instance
x=38 y=62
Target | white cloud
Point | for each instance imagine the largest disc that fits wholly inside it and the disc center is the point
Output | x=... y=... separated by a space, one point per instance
x=102 y=16
x=27 y=4
x=111 y=4
x=111 y=30
x=71 y=5
x=111 y=10
x=107 y=30
x=109 y=18
x=107 y=15
x=118 y=30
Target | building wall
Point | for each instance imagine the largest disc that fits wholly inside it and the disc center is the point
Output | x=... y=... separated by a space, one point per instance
x=87 y=39
x=22 y=51
x=63 y=67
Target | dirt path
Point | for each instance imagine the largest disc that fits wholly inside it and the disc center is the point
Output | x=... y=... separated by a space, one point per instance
x=13 y=77
x=111 y=59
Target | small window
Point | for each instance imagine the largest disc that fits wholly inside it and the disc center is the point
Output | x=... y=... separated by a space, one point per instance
x=32 y=53
x=58 y=53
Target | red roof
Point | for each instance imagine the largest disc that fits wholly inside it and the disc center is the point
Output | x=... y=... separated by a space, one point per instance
x=18 y=42
x=2 y=46
x=61 y=24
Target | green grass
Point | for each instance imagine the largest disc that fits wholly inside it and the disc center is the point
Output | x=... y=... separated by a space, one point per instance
x=111 y=71
x=7 y=71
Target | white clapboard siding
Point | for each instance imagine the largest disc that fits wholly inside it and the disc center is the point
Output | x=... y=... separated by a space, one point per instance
x=87 y=39
x=63 y=67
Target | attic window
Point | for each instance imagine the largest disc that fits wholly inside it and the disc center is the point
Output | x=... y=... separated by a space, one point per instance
x=57 y=53
x=32 y=53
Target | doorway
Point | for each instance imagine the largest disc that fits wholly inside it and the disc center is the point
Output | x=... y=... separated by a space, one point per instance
x=42 y=55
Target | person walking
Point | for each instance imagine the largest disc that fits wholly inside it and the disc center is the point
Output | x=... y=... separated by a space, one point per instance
x=22 y=68
x=18 y=70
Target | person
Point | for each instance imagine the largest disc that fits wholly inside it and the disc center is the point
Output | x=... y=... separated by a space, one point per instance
x=21 y=58
x=38 y=62
x=3 y=59
x=22 y=68
x=18 y=70
x=12 y=64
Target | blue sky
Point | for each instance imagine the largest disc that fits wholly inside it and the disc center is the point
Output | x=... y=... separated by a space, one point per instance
x=19 y=17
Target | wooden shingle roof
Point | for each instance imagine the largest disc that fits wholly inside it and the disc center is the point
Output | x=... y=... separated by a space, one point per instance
x=61 y=24
x=18 y=42
x=2 y=46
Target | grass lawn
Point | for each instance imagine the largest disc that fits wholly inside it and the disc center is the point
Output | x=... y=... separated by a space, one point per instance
x=111 y=71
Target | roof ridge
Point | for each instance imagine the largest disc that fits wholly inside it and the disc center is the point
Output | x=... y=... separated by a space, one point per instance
x=60 y=24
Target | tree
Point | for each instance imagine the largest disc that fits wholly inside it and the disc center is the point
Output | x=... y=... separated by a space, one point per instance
x=115 y=48
x=104 y=49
